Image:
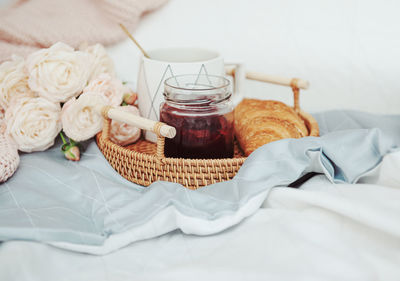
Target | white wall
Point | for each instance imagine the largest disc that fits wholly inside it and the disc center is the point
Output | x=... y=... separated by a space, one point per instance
x=348 y=50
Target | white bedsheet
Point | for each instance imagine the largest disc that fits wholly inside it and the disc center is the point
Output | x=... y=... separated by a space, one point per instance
x=319 y=232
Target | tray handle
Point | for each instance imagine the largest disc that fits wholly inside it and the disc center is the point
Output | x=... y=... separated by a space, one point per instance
x=295 y=83
x=161 y=129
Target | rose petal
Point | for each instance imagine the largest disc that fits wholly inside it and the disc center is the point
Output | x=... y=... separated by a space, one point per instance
x=58 y=73
x=33 y=123
x=122 y=133
x=13 y=81
x=79 y=119
x=110 y=88
x=102 y=63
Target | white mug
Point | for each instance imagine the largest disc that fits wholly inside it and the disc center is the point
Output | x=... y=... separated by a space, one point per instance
x=168 y=62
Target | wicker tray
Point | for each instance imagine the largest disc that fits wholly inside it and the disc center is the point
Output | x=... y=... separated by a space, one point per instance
x=144 y=162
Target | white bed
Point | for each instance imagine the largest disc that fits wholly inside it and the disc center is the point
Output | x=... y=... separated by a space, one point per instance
x=349 y=51
x=320 y=232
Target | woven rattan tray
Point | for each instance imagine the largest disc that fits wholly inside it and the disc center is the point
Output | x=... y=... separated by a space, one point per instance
x=144 y=162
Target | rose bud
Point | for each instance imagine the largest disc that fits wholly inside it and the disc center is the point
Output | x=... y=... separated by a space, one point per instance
x=130 y=98
x=72 y=153
x=70 y=149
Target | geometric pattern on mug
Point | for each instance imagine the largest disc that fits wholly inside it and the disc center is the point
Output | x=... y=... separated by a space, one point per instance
x=153 y=98
x=166 y=74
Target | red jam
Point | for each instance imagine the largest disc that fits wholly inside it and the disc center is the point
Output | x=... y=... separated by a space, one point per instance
x=200 y=133
x=200 y=109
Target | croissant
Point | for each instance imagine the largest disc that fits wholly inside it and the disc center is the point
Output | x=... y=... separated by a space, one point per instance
x=258 y=122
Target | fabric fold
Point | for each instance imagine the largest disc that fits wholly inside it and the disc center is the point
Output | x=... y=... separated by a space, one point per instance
x=88 y=207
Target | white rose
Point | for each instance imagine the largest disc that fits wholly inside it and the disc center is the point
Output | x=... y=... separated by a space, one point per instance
x=122 y=133
x=102 y=63
x=110 y=88
x=33 y=123
x=58 y=73
x=79 y=119
x=13 y=81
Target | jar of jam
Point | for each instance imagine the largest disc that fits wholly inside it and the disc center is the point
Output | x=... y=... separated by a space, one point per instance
x=200 y=108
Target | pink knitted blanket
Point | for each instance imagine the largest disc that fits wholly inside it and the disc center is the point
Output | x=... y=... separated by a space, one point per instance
x=27 y=25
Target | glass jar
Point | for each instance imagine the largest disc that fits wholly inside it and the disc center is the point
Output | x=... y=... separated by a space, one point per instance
x=200 y=108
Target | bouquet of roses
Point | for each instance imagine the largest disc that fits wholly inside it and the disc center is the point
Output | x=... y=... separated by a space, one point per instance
x=51 y=90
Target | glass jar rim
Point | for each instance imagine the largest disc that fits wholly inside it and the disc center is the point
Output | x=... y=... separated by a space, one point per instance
x=168 y=83
x=198 y=92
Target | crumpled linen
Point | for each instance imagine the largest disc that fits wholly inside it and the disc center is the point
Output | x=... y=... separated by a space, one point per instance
x=88 y=207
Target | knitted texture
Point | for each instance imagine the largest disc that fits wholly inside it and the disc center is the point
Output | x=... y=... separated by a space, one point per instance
x=27 y=25
x=9 y=159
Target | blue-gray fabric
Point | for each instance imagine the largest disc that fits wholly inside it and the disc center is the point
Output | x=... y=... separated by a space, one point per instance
x=51 y=199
